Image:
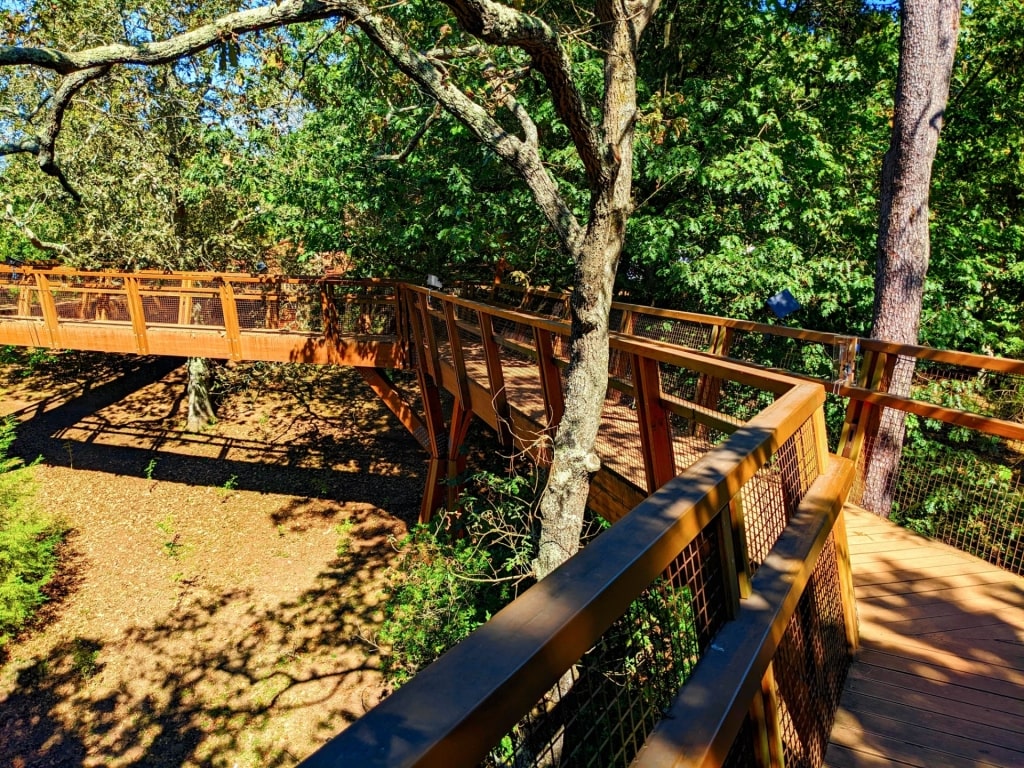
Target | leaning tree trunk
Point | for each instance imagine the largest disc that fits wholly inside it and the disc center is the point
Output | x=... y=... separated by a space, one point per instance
x=928 y=36
x=200 y=409
x=563 y=503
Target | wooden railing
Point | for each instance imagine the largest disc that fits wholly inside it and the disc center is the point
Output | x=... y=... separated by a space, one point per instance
x=228 y=316
x=740 y=555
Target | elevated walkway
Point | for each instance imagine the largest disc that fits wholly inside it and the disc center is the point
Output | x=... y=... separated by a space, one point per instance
x=733 y=529
x=939 y=678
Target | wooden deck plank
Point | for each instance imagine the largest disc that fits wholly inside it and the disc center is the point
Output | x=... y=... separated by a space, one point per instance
x=939 y=679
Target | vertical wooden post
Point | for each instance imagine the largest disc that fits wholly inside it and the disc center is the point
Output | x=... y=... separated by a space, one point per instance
x=655 y=423
x=709 y=388
x=49 y=308
x=137 y=313
x=185 y=304
x=862 y=419
x=495 y=379
x=846 y=589
x=550 y=378
x=433 y=493
x=25 y=302
x=451 y=322
x=231 y=326
x=766 y=715
x=329 y=312
x=461 y=418
x=738 y=531
x=429 y=338
x=731 y=572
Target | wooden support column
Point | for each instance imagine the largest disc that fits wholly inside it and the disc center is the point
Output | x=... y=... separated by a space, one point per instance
x=458 y=357
x=495 y=379
x=329 y=312
x=846 y=591
x=25 y=302
x=137 y=313
x=732 y=574
x=862 y=419
x=49 y=310
x=231 y=326
x=709 y=388
x=461 y=419
x=766 y=716
x=429 y=338
x=655 y=423
x=185 y=304
x=550 y=378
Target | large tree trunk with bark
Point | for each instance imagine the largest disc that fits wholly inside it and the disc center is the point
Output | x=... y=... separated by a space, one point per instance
x=928 y=37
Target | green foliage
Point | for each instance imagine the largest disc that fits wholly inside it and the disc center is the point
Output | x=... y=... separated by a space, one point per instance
x=456 y=572
x=28 y=544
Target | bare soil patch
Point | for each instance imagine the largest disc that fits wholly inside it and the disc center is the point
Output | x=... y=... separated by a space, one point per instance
x=220 y=592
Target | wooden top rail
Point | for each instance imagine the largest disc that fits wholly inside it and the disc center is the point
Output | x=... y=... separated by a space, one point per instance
x=445 y=717
x=7 y=270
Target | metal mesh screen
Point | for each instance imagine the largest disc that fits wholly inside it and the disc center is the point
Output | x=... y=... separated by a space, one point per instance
x=811 y=358
x=602 y=711
x=768 y=500
x=743 y=752
x=967 y=492
x=986 y=393
x=682 y=332
x=810 y=666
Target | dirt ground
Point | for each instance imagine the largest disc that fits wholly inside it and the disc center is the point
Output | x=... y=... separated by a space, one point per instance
x=219 y=593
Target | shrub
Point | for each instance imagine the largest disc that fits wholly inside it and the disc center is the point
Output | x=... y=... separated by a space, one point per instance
x=28 y=543
x=458 y=571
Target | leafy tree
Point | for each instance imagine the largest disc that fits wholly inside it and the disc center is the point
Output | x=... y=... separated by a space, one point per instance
x=505 y=46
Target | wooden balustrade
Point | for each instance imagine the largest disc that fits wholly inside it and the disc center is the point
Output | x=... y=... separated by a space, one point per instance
x=445 y=717
x=227 y=316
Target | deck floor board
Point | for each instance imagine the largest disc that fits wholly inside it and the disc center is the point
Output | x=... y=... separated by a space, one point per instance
x=939 y=678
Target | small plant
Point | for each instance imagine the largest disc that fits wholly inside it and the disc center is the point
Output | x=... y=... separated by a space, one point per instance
x=150 y=469
x=84 y=655
x=230 y=485
x=458 y=571
x=173 y=546
x=344 y=531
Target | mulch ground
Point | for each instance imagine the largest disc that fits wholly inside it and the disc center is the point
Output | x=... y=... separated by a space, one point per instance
x=219 y=593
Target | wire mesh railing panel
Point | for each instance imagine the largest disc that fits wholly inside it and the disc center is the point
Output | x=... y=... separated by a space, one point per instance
x=691 y=440
x=986 y=393
x=963 y=488
x=685 y=333
x=743 y=752
x=679 y=382
x=740 y=401
x=520 y=370
x=603 y=709
x=619 y=440
x=299 y=308
x=810 y=666
x=819 y=360
x=768 y=500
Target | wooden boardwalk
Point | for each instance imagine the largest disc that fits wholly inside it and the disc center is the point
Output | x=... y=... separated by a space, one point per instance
x=939 y=679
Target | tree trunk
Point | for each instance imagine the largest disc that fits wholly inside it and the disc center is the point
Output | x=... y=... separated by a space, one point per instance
x=928 y=35
x=563 y=503
x=200 y=409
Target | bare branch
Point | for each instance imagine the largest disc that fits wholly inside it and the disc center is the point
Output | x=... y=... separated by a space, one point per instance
x=29 y=146
x=415 y=140
x=173 y=48
x=523 y=158
x=503 y=25
x=31 y=236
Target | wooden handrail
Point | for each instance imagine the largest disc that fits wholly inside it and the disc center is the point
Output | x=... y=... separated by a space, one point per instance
x=444 y=717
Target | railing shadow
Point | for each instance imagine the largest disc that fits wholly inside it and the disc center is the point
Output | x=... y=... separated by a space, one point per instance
x=939 y=676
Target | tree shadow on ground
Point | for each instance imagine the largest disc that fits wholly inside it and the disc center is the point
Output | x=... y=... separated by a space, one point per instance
x=216 y=678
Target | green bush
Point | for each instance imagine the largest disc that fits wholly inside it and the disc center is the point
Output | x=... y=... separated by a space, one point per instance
x=28 y=543
x=458 y=571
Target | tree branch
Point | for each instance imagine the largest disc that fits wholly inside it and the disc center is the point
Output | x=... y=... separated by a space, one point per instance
x=179 y=46
x=31 y=236
x=502 y=25
x=415 y=140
